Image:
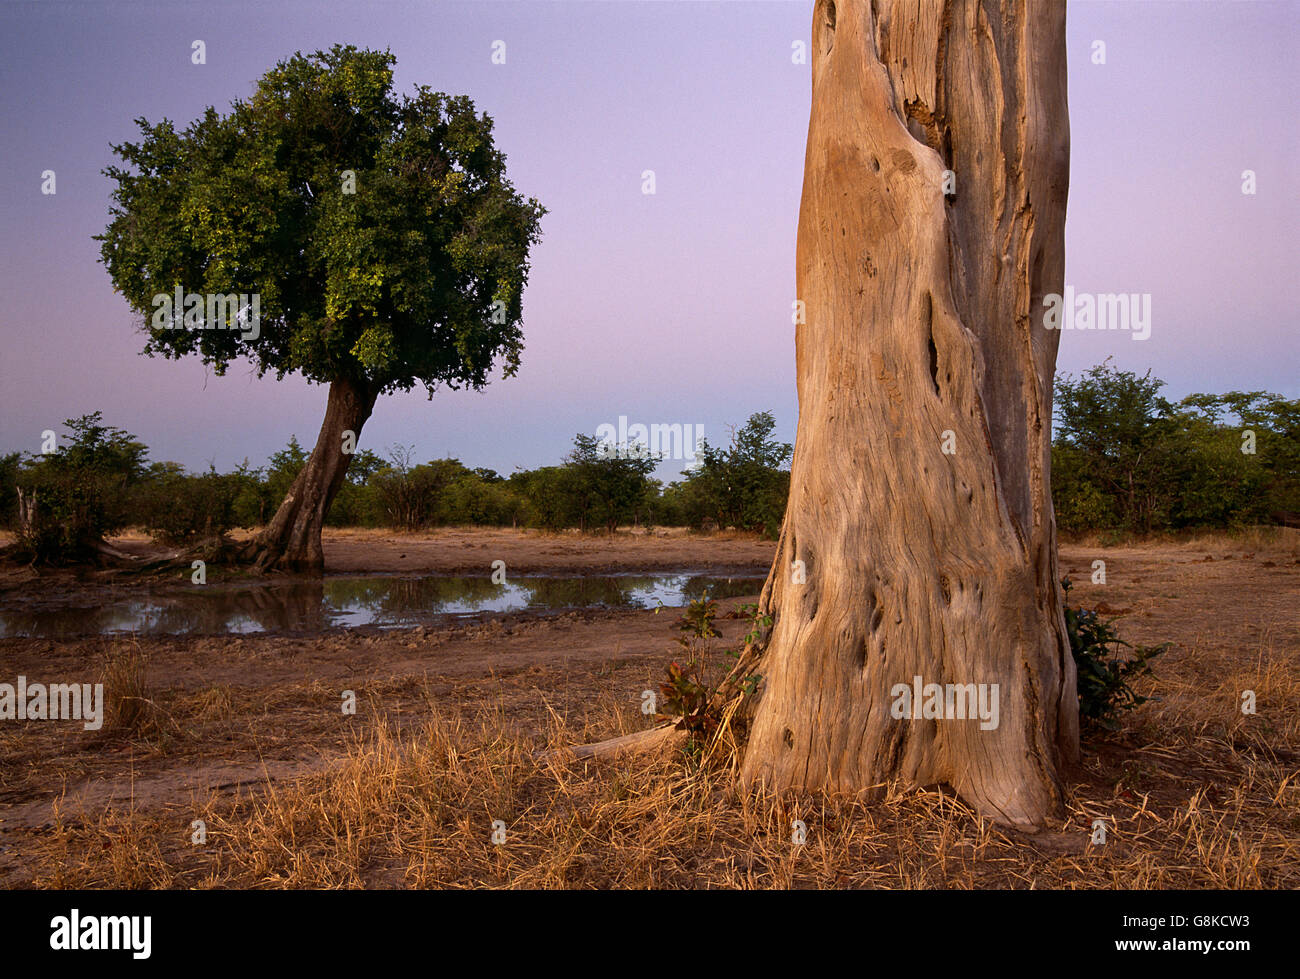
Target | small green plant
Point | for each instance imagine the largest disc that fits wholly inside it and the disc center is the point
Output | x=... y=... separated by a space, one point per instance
x=686 y=695
x=1103 y=671
x=758 y=624
x=687 y=690
x=697 y=621
x=690 y=696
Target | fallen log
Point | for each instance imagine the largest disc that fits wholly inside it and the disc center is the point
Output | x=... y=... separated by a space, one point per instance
x=667 y=735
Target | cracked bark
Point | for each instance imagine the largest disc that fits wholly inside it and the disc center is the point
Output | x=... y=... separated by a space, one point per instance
x=920 y=319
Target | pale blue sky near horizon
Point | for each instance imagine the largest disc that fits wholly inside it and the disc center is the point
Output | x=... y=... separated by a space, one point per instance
x=671 y=308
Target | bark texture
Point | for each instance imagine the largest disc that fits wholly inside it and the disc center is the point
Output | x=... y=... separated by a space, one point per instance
x=291 y=541
x=923 y=325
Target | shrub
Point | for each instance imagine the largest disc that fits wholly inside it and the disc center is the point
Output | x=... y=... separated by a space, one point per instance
x=742 y=486
x=81 y=492
x=1080 y=504
x=10 y=467
x=1103 y=671
x=1126 y=459
x=551 y=496
x=181 y=509
x=687 y=690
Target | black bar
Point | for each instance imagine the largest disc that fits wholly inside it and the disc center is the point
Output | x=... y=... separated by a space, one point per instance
x=642 y=930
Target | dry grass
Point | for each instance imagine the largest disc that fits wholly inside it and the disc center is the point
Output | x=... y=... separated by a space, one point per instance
x=1264 y=540
x=130 y=704
x=1193 y=795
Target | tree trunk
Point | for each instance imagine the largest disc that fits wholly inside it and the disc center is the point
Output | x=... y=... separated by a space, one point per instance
x=27 y=514
x=920 y=504
x=291 y=541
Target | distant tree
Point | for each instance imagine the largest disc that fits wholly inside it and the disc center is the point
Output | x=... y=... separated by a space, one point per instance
x=1125 y=458
x=253 y=499
x=79 y=494
x=415 y=496
x=1114 y=445
x=474 y=500
x=356 y=504
x=612 y=482
x=743 y=485
x=364 y=465
x=180 y=508
x=1211 y=483
x=553 y=497
x=1272 y=423
x=285 y=466
x=671 y=508
x=380 y=236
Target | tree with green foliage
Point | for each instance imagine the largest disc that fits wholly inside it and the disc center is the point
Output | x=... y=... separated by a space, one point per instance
x=612 y=482
x=253 y=501
x=551 y=497
x=473 y=500
x=356 y=504
x=364 y=465
x=744 y=485
x=1259 y=431
x=74 y=497
x=380 y=235
x=1125 y=458
x=284 y=467
x=181 y=508
x=1112 y=452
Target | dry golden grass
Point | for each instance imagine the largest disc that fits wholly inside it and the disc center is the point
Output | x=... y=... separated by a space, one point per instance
x=1192 y=792
x=129 y=702
x=1193 y=795
x=1264 y=540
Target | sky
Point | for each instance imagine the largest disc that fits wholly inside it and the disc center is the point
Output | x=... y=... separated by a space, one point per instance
x=671 y=308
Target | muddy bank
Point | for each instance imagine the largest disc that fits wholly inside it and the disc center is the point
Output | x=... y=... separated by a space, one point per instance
x=469 y=551
x=458 y=551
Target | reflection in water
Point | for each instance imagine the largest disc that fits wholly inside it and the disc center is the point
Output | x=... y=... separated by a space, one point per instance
x=310 y=605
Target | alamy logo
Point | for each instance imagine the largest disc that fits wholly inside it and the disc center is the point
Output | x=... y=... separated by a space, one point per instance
x=1102 y=311
x=55 y=702
x=648 y=442
x=102 y=931
x=946 y=702
x=214 y=311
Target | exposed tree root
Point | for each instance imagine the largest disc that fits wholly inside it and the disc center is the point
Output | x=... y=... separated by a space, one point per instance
x=656 y=738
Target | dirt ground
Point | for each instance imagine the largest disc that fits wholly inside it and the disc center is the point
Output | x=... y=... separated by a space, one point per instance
x=232 y=718
x=453 y=551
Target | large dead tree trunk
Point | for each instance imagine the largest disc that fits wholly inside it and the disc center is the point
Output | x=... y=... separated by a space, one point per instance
x=291 y=541
x=920 y=506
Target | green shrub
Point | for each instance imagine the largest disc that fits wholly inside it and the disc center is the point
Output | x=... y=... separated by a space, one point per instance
x=551 y=496
x=10 y=467
x=742 y=486
x=81 y=492
x=181 y=509
x=1125 y=459
x=1080 y=504
x=253 y=505
x=1103 y=671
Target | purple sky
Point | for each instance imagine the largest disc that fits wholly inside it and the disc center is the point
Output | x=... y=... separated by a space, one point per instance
x=666 y=308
